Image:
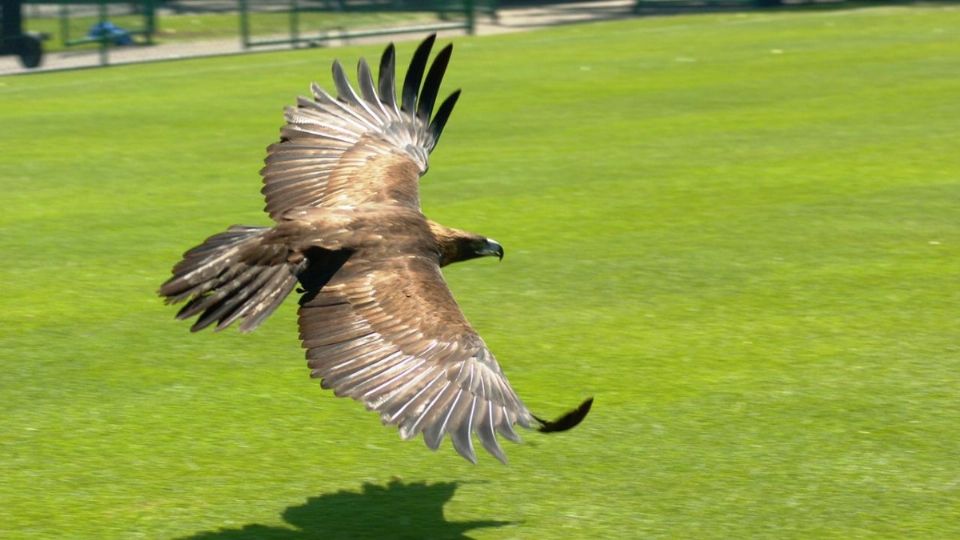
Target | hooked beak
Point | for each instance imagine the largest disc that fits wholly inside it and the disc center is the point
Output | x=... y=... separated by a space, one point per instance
x=492 y=247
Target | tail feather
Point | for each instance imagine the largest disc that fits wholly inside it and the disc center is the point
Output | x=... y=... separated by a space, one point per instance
x=231 y=276
x=267 y=300
x=230 y=301
x=569 y=420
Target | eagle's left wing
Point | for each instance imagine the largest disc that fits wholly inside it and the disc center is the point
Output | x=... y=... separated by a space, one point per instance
x=389 y=334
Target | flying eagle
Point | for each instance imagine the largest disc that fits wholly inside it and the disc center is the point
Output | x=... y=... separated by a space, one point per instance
x=376 y=317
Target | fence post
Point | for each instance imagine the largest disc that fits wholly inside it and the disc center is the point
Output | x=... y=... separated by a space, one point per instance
x=244 y=24
x=104 y=38
x=471 y=16
x=151 y=19
x=294 y=23
x=64 y=24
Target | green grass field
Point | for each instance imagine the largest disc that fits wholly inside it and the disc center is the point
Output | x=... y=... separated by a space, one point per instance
x=739 y=232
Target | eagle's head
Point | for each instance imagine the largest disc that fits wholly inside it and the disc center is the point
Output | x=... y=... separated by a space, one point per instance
x=484 y=247
x=456 y=245
x=466 y=246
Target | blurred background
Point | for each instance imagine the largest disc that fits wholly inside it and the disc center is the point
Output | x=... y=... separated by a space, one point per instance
x=75 y=33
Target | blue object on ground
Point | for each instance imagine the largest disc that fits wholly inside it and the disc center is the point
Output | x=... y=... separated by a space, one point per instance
x=107 y=29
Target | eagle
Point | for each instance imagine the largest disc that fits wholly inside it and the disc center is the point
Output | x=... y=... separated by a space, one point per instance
x=376 y=317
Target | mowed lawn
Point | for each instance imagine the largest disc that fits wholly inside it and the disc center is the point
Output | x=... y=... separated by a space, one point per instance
x=739 y=232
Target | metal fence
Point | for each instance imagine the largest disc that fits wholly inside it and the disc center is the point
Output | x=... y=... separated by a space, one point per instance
x=101 y=23
x=313 y=22
x=654 y=6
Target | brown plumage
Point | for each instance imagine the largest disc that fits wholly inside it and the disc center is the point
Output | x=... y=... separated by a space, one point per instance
x=376 y=317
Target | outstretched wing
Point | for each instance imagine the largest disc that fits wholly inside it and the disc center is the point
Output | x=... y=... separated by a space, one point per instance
x=356 y=149
x=390 y=335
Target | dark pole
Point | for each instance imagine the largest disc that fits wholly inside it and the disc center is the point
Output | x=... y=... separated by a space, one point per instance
x=104 y=36
x=471 y=14
x=12 y=19
x=151 y=19
x=294 y=24
x=244 y=24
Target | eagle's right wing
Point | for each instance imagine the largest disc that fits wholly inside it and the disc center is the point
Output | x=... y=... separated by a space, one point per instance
x=356 y=149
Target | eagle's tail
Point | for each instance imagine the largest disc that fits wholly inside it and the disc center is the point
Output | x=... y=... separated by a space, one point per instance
x=569 y=420
x=231 y=276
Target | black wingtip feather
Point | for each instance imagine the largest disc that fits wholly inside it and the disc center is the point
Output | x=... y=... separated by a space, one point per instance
x=386 y=82
x=344 y=91
x=431 y=87
x=411 y=83
x=365 y=80
x=443 y=114
x=567 y=421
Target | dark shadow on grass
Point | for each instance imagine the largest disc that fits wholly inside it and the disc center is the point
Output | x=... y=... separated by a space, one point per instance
x=397 y=510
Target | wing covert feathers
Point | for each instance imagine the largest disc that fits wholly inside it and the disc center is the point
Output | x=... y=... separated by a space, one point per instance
x=324 y=135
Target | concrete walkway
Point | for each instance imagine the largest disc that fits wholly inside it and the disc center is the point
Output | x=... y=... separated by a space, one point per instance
x=508 y=20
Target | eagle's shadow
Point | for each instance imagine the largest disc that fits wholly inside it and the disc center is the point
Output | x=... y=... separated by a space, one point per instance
x=392 y=511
